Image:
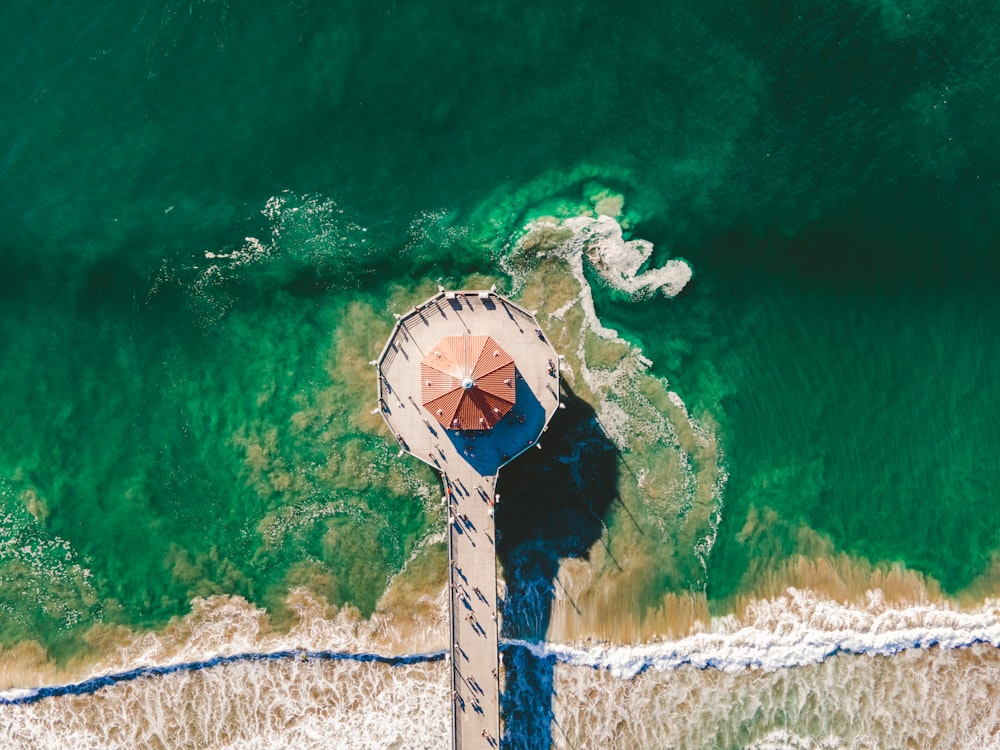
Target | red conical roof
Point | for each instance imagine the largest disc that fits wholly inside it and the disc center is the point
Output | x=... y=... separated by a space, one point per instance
x=467 y=382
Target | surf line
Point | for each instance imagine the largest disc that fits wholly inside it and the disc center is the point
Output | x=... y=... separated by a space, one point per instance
x=627 y=662
x=621 y=661
x=28 y=696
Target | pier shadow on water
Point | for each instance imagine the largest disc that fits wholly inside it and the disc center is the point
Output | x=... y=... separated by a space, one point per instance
x=554 y=501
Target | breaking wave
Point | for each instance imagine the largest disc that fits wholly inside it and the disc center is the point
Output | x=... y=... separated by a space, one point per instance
x=793 y=631
x=796 y=630
x=24 y=696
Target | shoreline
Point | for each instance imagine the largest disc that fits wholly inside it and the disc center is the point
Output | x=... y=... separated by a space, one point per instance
x=798 y=628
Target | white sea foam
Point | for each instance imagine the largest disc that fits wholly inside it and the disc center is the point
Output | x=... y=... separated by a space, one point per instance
x=782 y=739
x=226 y=626
x=921 y=698
x=14 y=694
x=764 y=681
x=304 y=231
x=795 y=630
x=287 y=704
x=255 y=704
x=618 y=261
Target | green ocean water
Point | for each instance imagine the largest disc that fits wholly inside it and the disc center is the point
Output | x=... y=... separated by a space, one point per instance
x=178 y=424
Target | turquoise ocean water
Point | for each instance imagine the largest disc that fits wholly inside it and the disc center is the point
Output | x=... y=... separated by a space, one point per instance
x=206 y=207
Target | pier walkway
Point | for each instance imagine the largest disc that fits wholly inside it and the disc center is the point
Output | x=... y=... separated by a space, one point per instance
x=469 y=462
x=475 y=674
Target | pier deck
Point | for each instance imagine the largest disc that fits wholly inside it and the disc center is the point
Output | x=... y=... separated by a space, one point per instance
x=475 y=674
x=469 y=462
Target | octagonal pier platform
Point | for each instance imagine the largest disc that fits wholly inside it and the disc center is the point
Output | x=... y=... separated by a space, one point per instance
x=466 y=383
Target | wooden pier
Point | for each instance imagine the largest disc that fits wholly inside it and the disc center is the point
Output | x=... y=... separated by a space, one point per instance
x=513 y=413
